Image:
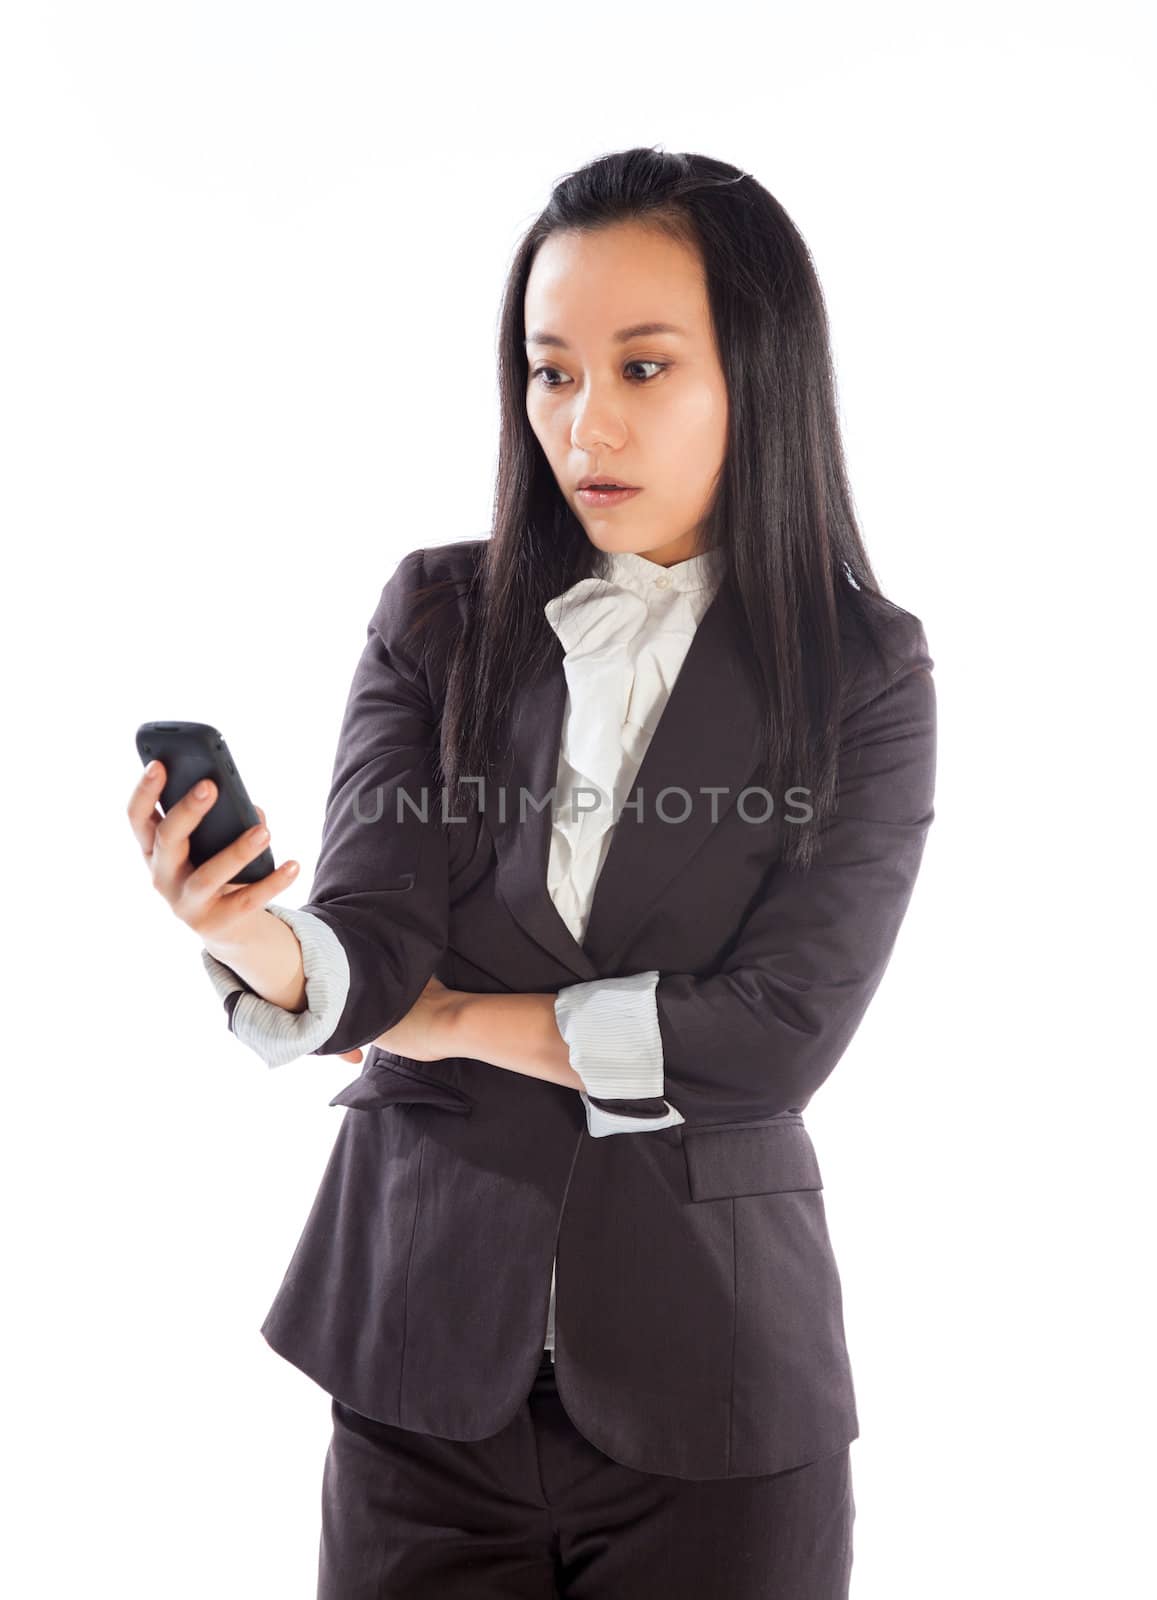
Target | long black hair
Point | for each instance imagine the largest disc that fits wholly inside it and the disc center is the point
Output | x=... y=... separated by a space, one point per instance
x=782 y=512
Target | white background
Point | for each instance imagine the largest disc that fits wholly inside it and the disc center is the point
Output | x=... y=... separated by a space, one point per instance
x=252 y=262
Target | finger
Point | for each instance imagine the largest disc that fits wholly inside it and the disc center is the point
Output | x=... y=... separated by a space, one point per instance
x=185 y=814
x=244 y=898
x=212 y=876
x=351 y=1055
x=170 y=855
x=142 y=807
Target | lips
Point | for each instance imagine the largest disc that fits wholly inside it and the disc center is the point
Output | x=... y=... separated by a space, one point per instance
x=604 y=497
x=604 y=483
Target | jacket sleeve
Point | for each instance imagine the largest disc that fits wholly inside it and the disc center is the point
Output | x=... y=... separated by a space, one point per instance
x=381 y=886
x=761 y=1035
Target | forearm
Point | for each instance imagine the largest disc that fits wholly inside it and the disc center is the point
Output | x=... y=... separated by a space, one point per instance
x=269 y=961
x=523 y=1033
x=516 y=1031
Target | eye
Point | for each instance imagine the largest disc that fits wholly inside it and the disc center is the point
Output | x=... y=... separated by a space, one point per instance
x=538 y=372
x=662 y=366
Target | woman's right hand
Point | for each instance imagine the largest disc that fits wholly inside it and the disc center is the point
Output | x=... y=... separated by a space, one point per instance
x=220 y=912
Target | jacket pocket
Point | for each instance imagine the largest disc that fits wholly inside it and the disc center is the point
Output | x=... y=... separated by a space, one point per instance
x=387 y=1081
x=764 y=1157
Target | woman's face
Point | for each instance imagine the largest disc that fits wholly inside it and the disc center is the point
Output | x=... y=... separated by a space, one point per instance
x=649 y=410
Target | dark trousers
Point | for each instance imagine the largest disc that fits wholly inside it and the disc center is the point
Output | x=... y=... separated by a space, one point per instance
x=537 y=1512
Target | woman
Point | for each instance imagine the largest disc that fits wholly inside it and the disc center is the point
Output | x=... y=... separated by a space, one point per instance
x=595 y=1016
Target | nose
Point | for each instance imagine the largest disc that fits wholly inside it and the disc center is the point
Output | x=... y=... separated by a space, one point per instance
x=596 y=423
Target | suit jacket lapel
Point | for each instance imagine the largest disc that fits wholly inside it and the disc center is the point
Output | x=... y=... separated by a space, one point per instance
x=706 y=737
x=522 y=833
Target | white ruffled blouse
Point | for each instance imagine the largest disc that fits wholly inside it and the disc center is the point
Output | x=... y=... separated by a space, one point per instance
x=625 y=639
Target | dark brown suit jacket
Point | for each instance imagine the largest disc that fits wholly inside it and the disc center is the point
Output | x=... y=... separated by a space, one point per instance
x=699 y=1324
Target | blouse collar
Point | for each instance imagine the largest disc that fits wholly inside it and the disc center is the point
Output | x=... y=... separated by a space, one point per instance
x=636 y=598
x=631 y=571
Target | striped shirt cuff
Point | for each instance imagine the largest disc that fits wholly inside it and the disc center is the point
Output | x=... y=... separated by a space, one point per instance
x=277 y=1035
x=611 y=1027
x=600 y=1122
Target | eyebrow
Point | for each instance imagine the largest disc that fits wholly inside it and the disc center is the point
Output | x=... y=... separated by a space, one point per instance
x=638 y=330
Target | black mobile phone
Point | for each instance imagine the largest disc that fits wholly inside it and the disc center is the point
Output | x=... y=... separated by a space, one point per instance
x=192 y=751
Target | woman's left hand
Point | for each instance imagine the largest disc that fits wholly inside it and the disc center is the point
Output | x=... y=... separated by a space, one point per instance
x=422 y=1033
